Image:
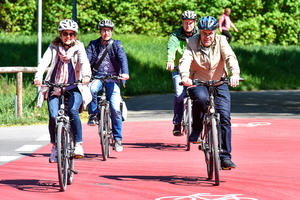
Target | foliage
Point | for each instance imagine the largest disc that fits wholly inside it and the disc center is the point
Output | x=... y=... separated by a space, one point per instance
x=258 y=21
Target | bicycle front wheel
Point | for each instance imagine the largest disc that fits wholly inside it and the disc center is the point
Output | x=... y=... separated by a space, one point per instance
x=61 y=149
x=103 y=132
x=215 y=149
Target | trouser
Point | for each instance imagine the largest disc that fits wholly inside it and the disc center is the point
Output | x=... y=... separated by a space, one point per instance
x=200 y=98
x=227 y=34
x=178 y=98
x=114 y=97
x=74 y=102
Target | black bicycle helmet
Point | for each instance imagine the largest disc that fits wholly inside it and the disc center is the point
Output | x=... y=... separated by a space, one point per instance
x=208 y=23
x=188 y=14
x=105 y=23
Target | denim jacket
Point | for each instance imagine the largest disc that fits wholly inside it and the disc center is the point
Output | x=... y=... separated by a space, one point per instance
x=116 y=53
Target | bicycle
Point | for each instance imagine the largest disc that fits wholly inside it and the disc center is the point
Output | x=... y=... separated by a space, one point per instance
x=210 y=138
x=103 y=117
x=64 y=139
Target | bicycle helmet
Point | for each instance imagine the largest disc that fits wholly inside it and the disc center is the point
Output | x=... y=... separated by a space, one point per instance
x=188 y=14
x=208 y=23
x=106 y=23
x=68 y=24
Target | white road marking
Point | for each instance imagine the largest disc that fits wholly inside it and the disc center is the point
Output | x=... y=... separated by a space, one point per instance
x=251 y=124
x=8 y=158
x=28 y=147
x=43 y=138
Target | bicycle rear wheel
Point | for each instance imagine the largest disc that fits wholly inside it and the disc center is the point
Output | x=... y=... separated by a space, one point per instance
x=215 y=149
x=71 y=159
x=61 y=148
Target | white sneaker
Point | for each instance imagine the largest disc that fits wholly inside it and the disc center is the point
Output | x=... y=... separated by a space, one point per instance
x=53 y=158
x=118 y=146
x=78 y=150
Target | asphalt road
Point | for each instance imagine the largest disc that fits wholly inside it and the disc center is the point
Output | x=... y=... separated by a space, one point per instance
x=17 y=141
x=260 y=104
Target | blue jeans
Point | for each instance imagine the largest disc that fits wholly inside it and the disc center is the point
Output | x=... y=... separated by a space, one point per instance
x=114 y=97
x=178 y=98
x=200 y=98
x=74 y=102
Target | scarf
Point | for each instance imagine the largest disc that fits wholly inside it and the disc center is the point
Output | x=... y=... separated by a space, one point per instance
x=62 y=72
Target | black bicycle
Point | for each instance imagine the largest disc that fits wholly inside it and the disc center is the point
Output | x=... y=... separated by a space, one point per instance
x=210 y=138
x=64 y=138
x=103 y=117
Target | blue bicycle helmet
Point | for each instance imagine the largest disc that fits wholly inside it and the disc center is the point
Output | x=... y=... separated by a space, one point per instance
x=208 y=23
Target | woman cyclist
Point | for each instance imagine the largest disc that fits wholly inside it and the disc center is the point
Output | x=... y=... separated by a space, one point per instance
x=66 y=61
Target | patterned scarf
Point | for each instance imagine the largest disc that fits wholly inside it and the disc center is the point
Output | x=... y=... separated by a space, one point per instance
x=62 y=72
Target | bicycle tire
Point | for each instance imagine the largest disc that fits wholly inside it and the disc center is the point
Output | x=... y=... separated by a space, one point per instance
x=189 y=123
x=71 y=159
x=215 y=150
x=107 y=129
x=61 y=149
x=184 y=123
x=101 y=131
x=208 y=150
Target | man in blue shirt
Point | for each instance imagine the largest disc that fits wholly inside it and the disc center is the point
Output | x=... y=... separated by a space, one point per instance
x=114 y=63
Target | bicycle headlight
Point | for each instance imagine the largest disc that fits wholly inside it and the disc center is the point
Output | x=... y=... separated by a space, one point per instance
x=61 y=112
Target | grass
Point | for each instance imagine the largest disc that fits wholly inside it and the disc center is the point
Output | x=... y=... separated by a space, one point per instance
x=263 y=67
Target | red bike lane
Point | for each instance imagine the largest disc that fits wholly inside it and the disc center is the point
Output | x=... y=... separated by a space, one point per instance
x=155 y=165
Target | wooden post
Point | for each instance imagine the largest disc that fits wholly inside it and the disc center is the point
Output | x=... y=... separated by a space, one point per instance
x=19 y=93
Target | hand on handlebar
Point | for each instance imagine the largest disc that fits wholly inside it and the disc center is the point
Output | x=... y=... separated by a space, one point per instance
x=234 y=80
x=85 y=80
x=37 y=82
x=187 y=81
x=124 y=76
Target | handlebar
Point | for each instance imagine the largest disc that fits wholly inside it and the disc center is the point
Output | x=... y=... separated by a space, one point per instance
x=59 y=85
x=197 y=82
x=107 y=77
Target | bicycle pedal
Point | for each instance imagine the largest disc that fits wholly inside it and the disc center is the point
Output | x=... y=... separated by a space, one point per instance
x=226 y=168
x=78 y=156
x=196 y=142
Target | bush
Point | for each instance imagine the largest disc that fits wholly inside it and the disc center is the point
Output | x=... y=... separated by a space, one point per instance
x=258 y=21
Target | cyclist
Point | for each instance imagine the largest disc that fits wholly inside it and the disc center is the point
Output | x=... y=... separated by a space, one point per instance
x=66 y=62
x=204 y=59
x=225 y=23
x=114 y=63
x=175 y=48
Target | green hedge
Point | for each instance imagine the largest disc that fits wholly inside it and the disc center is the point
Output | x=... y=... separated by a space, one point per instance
x=258 y=21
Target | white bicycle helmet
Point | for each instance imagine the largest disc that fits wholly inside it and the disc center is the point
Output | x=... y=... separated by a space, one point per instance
x=106 y=23
x=188 y=14
x=68 y=24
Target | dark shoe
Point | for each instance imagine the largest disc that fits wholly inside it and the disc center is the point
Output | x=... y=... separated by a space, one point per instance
x=92 y=120
x=227 y=164
x=194 y=137
x=177 y=130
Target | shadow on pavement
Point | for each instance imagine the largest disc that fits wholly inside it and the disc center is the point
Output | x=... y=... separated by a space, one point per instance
x=176 y=180
x=157 y=146
x=33 y=185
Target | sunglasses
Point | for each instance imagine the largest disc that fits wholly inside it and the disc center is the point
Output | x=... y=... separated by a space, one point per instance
x=70 y=34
